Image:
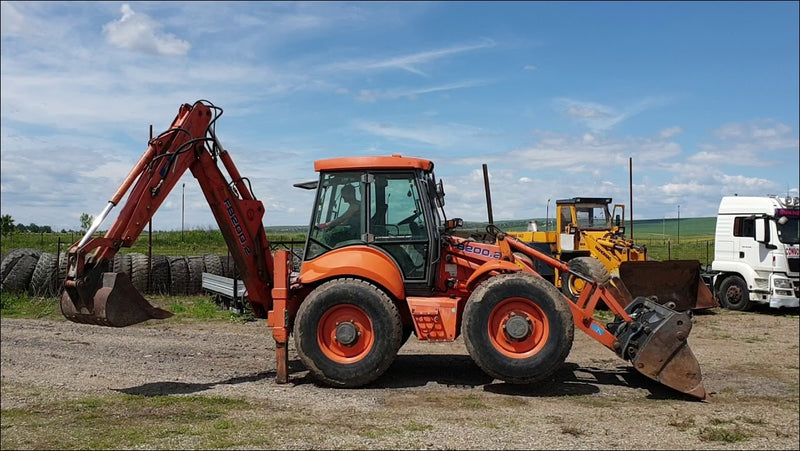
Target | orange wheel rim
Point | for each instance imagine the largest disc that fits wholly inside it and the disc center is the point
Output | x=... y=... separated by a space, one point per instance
x=518 y=328
x=350 y=321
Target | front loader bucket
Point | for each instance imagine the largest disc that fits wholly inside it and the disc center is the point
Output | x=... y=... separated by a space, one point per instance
x=656 y=344
x=116 y=303
x=676 y=283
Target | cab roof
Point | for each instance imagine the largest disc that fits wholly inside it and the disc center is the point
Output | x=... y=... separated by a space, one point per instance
x=372 y=162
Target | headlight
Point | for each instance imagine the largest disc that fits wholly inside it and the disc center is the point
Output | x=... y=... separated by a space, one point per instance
x=783 y=283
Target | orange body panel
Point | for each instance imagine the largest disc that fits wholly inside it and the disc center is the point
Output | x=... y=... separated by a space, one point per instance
x=436 y=319
x=372 y=163
x=355 y=261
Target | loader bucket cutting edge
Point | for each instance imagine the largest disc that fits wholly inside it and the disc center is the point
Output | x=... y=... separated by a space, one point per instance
x=656 y=344
x=672 y=281
x=117 y=303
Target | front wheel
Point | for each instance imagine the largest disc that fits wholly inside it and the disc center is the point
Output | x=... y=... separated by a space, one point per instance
x=347 y=332
x=518 y=328
x=590 y=267
x=734 y=295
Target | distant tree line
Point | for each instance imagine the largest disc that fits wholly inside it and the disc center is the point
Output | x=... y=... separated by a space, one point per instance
x=8 y=226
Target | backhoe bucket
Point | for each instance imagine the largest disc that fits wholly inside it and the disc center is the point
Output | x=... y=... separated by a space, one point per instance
x=675 y=283
x=655 y=342
x=116 y=303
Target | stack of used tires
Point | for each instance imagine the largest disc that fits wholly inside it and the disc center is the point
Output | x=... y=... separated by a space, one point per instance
x=42 y=273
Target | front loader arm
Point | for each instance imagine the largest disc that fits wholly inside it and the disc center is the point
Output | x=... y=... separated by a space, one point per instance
x=92 y=295
x=651 y=336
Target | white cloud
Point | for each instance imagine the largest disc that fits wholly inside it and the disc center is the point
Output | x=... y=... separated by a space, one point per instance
x=758 y=143
x=12 y=21
x=139 y=32
x=443 y=135
x=373 y=95
x=408 y=62
x=600 y=117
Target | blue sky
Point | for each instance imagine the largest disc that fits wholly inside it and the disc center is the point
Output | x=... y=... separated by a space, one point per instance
x=556 y=98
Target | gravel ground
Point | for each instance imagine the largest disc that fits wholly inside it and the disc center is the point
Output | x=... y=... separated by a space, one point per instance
x=596 y=401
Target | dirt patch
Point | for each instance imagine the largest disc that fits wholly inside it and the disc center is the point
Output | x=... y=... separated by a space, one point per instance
x=433 y=396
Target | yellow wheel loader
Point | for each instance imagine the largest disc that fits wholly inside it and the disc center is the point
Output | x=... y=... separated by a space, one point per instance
x=590 y=236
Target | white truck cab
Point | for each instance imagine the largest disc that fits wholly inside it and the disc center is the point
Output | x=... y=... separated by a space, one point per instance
x=757 y=252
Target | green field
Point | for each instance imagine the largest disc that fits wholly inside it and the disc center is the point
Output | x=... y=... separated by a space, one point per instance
x=691 y=238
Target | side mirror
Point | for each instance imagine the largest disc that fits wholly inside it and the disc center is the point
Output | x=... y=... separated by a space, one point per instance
x=453 y=223
x=761 y=230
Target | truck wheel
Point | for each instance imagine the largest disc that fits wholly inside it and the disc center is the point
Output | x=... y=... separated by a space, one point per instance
x=140 y=272
x=178 y=276
x=19 y=275
x=734 y=295
x=591 y=267
x=45 y=275
x=518 y=328
x=160 y=275
x=347 y=332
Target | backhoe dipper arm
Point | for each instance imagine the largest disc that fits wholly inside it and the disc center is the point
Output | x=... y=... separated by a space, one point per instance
x=189 y=143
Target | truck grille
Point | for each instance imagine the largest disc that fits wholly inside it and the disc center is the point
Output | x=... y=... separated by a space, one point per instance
x=794 y=264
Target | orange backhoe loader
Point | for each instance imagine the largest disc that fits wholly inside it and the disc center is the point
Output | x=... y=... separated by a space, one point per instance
x=366 y=284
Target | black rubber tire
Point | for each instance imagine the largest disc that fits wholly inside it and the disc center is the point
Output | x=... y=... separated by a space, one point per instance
x=122 y=264
x=408 y=331
x=45 y=276
x=63 y=258
x=140 y=272
x=178 y=275
x=159 y=274
x=212 y=264
x=195 y=281
x=11 y=259
x=386 y=331
x=537 y=296
x=734 y=294
x=587 y=266
x=19 y=274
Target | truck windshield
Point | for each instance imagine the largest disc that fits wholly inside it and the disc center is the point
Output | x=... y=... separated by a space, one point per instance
x=789 y=233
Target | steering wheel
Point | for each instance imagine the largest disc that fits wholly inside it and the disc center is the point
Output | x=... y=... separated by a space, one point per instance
x=411 y=218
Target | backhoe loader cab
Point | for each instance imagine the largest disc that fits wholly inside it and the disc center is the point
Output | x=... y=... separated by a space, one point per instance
x=392 y=211
x=381 y=262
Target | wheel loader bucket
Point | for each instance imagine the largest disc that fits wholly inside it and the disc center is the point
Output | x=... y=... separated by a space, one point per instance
x=655 y=342
x=675 y=283
x=115 y=303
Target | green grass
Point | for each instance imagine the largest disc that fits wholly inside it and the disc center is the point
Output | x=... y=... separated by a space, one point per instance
x=723 y=434
x=121 y=421
x=20 y=305
x=185 y=308
x=189 y=242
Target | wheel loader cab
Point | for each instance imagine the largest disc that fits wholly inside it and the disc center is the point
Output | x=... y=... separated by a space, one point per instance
x=395 y=213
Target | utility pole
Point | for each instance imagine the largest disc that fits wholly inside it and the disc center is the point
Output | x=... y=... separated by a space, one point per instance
x=679 y=223
x=547 y=217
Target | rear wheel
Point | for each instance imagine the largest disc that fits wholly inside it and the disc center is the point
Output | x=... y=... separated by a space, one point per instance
x=734 y=295
x=518 y=328
x=347 y=332
x=590 y=267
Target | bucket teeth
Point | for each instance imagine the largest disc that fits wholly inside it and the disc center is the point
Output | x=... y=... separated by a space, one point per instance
x=656 y=344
